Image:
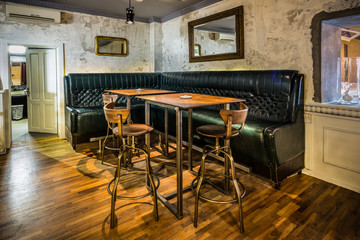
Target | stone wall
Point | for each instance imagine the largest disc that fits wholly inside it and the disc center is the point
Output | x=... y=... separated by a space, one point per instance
x=277 y=36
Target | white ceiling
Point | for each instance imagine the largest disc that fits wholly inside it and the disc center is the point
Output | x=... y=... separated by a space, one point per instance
x=145 y=11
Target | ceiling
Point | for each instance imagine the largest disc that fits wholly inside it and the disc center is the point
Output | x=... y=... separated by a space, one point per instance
x=145 y=11
x=350 y=22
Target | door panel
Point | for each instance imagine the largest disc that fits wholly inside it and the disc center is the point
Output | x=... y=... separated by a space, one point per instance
x=49 y=76
x=35 y=113
x=50 y=121
x=42 y=90
x=35 y=76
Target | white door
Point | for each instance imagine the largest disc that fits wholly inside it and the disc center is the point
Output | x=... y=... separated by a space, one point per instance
x=41 y=83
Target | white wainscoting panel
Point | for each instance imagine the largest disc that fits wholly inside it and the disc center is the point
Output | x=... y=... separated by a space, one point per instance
x=332 y=146
x=341 y=148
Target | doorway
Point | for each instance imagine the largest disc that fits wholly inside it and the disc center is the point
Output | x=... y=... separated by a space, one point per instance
x=33 y=74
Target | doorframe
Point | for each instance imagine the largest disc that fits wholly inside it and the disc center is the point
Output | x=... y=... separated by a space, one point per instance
x=6 y=81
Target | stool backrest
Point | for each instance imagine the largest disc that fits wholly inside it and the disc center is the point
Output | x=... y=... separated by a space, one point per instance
x=231 y=117
x=117 y=116
x=108 y=98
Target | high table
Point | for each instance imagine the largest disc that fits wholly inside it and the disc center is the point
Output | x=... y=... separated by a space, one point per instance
x=180 y=102
x=128 y=93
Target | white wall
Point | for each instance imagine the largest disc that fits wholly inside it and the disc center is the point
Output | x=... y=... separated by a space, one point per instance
x=76 y=35
x=277 y=36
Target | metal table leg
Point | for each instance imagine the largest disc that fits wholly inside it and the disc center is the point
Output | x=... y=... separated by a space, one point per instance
x=147 y=122
x=166 y=128
x=179 y=163
x=227 y=160
x=128 y=106
x=190 y=139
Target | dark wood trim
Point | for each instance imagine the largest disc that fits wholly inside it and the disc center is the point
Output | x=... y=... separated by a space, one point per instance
x=239 y=28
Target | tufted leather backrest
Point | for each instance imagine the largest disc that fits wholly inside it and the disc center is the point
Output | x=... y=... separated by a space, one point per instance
x=270 y=95
x=86 y=89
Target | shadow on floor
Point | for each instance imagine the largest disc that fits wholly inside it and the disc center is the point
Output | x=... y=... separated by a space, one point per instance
x=20 y=131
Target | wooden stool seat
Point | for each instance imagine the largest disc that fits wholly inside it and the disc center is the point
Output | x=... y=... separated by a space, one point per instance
x=216 y=131
x=133 y=130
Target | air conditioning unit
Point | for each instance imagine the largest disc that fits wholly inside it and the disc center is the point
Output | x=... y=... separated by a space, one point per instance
x=32 y=13
x=224 y=37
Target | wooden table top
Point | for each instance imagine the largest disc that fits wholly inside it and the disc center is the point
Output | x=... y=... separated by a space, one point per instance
x=138 y=92
x=196 y=100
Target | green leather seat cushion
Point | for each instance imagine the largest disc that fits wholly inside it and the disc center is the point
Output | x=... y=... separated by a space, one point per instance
x=92 y=120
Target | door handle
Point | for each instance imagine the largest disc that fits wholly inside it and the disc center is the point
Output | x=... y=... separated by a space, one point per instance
x=27 y=92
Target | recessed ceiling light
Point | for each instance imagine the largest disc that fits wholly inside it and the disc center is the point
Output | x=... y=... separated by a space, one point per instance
x=139 y=0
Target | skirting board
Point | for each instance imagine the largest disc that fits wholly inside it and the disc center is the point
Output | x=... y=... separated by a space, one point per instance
x=355 y=188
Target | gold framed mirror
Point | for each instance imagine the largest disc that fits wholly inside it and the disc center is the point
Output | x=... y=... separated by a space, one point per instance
x=221 y=36
x=111 y=46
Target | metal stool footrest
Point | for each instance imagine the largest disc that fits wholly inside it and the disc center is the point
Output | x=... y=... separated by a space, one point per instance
x=111 y=148
x=135 y=197
x=217 y=201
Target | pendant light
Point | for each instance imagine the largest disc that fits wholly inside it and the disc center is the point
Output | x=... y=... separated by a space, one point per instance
x=130 y=14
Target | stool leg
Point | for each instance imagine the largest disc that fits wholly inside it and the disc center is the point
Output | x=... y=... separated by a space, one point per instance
x=202 y=173
x=103 y=146
x=237 y=191
x=113 y=195
x=153 y=189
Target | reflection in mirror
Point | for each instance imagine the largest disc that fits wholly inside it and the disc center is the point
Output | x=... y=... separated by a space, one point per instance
x=221 y=36
x=111 y=46
x=216 y=37
x=197 y=50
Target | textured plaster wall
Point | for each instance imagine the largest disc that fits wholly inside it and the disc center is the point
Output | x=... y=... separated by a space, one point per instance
x=277 y=36
x=155 y=47
x=78 y=34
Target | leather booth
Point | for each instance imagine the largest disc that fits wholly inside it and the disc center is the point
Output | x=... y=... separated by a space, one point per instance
x=271 y=144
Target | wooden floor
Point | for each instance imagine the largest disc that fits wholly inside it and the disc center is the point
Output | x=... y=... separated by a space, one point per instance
x=49 y=191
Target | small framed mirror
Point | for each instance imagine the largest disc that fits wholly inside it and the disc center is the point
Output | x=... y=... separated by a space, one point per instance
x=217 y=37
x=111 y=46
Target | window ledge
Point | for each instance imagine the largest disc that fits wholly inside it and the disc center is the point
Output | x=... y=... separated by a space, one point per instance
x=333 y=109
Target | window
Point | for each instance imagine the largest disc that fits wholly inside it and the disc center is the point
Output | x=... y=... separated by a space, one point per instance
x=334 y=35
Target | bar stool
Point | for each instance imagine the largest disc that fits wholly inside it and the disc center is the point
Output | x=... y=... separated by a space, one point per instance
x=108 y=98
x=229 y=117
x=119 y=117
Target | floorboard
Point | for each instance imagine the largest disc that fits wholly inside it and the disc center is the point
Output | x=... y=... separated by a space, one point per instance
x=50 y=191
